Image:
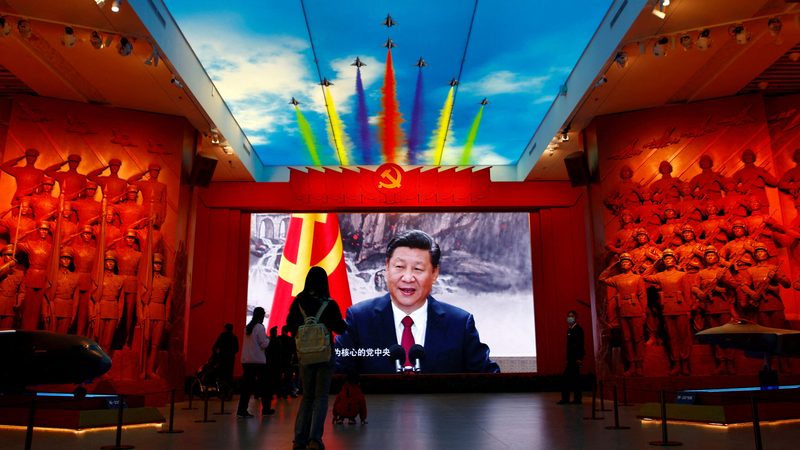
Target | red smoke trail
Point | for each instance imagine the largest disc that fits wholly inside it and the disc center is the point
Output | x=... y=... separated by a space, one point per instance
x=390 y=132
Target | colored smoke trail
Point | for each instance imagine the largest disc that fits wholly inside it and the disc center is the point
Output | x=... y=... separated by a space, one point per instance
x=442 y=128
x=362 y=119
x=415 y=135
x=308 y=136
x=391 y=134
x=473 y=133
x=336 y=132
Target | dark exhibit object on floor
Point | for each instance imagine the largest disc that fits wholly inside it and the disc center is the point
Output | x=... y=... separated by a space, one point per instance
x=40 y=357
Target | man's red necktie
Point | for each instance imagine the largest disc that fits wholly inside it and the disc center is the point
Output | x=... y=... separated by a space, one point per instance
x=408 y=338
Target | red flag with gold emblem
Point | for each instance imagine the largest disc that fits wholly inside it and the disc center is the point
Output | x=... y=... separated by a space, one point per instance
x=311 y=240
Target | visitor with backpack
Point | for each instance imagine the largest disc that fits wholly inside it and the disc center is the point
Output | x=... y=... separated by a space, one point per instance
x=312 y=318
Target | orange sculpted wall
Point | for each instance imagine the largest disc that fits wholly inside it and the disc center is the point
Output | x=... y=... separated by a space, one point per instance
x=692 y=229
x=146 y=147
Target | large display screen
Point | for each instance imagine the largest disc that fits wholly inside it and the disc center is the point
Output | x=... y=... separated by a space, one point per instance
x=485 y=269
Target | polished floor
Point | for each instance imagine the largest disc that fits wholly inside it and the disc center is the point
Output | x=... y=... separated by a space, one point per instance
x=426 y=421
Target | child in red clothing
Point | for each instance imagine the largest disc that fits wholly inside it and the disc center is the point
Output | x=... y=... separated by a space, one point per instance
x=350 y=402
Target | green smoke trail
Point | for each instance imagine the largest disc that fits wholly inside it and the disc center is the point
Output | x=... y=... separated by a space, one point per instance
x=473 y=133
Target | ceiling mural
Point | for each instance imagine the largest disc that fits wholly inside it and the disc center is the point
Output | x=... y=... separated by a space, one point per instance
x=360 y=82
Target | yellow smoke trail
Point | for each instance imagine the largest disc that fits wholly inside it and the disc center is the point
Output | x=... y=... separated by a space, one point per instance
x=441 y=131
x=336 y=131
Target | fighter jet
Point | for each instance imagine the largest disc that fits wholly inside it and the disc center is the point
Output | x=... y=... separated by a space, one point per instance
x=421 y=62
x=484 y=102
x=358 y=63
x=453 y=82
x=389 y=44
x=389 y=22
x=294 y=102
x=326 y=83
x=41 y=357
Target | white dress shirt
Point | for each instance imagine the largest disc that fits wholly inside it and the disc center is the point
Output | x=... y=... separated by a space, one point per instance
x=420 y=318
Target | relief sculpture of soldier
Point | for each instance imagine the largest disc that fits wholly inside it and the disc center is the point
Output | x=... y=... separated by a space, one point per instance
x=71 y=182
x=28 y=177
x=154 y=193
x=714 y=300
x=156 y=304
x=63 y=306
x=128 y=257
x=690 y=251
x=113 y=186
x=712 y=228
x=753 y=180
x=623 y=239
x=20 y=224
x=12 y=288
x=667 y=188
x=674 y=292
x=668 y=234
x=43 y=202
x=627 y=193
x=708 y=184
x=84 y=248
x=790 y=180
x=108 y=304
x=627 y=309
x=38 y=250
x=89 y=210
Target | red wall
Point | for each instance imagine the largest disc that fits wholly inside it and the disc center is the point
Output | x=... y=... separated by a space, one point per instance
x=558 y=237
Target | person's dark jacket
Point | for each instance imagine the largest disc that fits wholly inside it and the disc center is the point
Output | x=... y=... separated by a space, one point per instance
x=331 y=317
x=575 y=350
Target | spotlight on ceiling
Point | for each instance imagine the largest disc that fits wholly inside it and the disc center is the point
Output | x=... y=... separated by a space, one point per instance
x=227 y=149
x=125 y=47
x=740 y=33
x=660 y=9
x=601 y=81
x=564 y=135
x=704 y=40
x=214 y=138
x=100 y=3
x=96 y=40
x=763 y=85
x=5 y=28
x=24 y=28
x=176 y=82
x=153 y=59
x=69 y=38
x=686 y=42
x=660 y=47
x=774 y=25
x=115 y=5
x=621 y=59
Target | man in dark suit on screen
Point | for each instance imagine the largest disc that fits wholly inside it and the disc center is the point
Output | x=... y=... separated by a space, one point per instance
x=409 y=315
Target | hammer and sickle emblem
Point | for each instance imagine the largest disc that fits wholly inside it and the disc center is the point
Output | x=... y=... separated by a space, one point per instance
x=295 y=272
x=392 y=174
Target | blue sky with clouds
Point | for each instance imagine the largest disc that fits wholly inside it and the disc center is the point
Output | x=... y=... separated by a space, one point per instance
x=259 y=56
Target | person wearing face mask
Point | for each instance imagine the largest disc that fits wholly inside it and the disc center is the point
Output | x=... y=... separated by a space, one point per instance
x=575 y=353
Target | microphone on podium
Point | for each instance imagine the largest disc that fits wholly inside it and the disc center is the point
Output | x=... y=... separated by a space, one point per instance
x=398 y=355
x=416 y=354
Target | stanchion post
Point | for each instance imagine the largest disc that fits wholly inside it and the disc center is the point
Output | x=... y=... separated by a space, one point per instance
x=191 y=396
x=118 y=445
x=625 y=393
x=756 y=423
x=171 y=430
x=31 y=418
x=205 y=411
x=602 y=398
x=594 y=405
x=664 y=442
x=221 y=405
x=616 y=425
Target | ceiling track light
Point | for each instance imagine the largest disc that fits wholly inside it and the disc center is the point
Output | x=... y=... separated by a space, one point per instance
x=228 y=150
x=153 y=59
x=704 y=40
x=565 y=133
x=114 y=5
x=5 y=27
x=214 y=138
x=686 y=41
x=740 y=34
x=100 y=3
x=621 y=59
x=69 y=39
x=125 y=47
x=660 y=9
x=601 y=81
x=176 y=82
x=96 y=40
x=660 y=47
